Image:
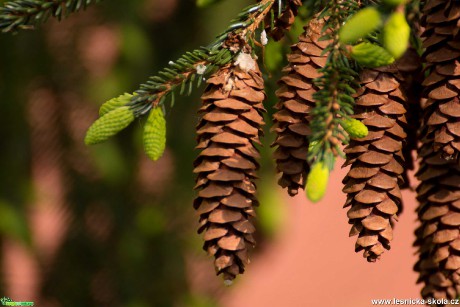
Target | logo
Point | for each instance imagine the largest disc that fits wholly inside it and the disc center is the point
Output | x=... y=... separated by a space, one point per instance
x=6 y=301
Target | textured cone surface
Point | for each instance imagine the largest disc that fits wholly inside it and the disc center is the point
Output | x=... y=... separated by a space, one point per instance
x=438 y=239
x=377 y=163
x=295 y=95
x=108 y=125
x=155 y=134
x=441 y=102
x=114 y=103
x=231 y=122
x=410 y=66
x=283 y=22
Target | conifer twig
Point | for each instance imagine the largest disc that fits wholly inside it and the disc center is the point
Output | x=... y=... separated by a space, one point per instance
x=25 y=14
x=333 y=100
x=199 y=63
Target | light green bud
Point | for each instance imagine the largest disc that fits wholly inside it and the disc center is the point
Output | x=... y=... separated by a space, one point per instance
x=155 y=134
x=108 y=125
x=360 y=25
x=317 y=181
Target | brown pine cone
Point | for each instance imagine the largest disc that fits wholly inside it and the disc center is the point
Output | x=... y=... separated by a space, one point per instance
x=295 y=94
x=410 y=67
x=377 y=162
x=230 y=125
x=441 y=105
x=284 y=22
x=438 y=237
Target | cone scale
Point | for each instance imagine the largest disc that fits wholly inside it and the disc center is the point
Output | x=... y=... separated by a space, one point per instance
x=230 y=126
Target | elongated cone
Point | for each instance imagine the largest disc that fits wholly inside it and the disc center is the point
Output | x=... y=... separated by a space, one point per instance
x=295 y=95
x=410 y=67
x=377 y=162
x=230 y=125
x=441 y=103
x=284 y=21
x=438 y=238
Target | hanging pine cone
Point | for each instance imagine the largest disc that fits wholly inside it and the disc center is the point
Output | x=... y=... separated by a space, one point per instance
x=438 y=237
x=283 y=22
x=295 y=95
x=410 y=67
x=441 y=20
x=230 y=124
x=377 y=162
x=438 y=194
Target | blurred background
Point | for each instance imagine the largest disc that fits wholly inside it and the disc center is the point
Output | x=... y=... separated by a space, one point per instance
x=105 y=226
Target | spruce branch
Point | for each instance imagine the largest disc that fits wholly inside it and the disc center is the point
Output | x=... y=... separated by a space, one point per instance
x=26 y=14
x=334 y=101
x=196 y=65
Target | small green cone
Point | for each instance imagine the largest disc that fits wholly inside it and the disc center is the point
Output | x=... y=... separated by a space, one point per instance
x=155 y=134
x=396 y=34
x=360 y=25
x=354 y=128
x=108 y=125
x=370 y=55
x=317 y=181
x=114 y=103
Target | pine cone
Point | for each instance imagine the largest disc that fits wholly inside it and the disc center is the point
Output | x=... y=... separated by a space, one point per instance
x=284 y=22
x=438 y=236
x=230 y=124
x=377 y=162
x=410 y=67
x=441 y=105
x=295 y=94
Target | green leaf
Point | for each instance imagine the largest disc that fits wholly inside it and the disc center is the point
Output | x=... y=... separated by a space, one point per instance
x=109 y=125
x=155 y=134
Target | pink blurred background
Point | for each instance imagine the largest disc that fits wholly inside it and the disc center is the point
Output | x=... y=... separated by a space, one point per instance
x=312 y=262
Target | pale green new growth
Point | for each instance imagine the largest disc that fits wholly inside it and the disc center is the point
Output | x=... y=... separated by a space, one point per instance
x=370 y=55
x=115 y=103
x=396 y=33
x=354 y=128
x=109 y=125
x=360 y=25
x=317 y=181
x=155 y=134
